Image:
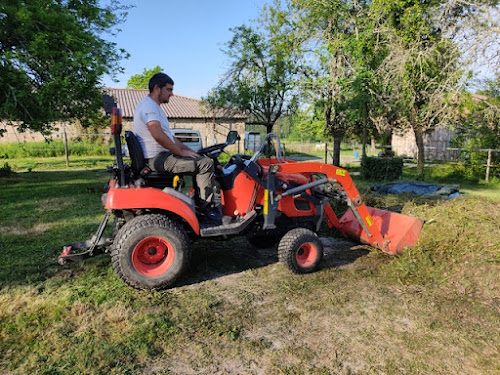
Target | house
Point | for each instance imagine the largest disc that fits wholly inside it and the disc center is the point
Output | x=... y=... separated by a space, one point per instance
x=186 y=113
x=436 y=144
x=183 y=112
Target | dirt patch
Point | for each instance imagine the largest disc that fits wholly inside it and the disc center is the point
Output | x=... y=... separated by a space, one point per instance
x=36 y=229
x=53 y=204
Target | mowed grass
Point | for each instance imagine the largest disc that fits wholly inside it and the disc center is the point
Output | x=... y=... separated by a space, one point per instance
x=433 y=310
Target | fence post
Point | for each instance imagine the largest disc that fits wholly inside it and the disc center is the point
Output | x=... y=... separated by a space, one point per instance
x=326 y=152
x=66 y=150
x=488 y=165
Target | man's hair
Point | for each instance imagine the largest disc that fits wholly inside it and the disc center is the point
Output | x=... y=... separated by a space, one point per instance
x=160 y=80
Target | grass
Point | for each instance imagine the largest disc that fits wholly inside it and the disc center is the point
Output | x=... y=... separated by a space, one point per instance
x=52 y=147
x=433 y=310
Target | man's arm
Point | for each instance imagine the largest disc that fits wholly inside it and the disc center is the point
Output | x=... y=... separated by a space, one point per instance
x=176 y=147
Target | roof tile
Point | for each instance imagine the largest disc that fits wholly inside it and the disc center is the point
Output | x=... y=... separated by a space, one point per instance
x=179 y=107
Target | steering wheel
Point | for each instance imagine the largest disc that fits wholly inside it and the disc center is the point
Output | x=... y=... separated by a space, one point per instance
x=209 y=149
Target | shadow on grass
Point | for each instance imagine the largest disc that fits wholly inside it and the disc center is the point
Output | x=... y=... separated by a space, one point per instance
x=211 y=260
x=215 y=259
x=50 y=209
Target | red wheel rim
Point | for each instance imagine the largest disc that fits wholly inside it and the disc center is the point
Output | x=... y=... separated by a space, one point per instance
x=306 y=255
x=153 y=256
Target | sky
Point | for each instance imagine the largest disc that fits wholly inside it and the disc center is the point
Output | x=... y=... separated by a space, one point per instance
x=184 y=38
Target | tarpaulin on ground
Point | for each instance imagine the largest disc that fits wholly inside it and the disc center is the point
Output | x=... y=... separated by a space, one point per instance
x=418 y=188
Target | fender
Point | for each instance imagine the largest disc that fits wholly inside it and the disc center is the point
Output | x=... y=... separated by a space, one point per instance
x=146 y=197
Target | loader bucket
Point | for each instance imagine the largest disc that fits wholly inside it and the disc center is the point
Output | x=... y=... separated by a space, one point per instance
x=400 y=230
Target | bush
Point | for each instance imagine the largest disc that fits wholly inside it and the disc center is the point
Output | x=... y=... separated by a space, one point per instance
x=379 y=169
x=6 y=170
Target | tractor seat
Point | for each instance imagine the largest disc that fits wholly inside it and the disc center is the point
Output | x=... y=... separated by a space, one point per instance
x=139 y=168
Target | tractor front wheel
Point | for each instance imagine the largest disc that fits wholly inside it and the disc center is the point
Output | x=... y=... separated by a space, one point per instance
x=300 y=250
x=150 y=252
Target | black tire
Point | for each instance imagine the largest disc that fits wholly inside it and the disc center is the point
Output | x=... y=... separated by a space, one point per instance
x=116 y=226
x=150 y=252
x=300 y=250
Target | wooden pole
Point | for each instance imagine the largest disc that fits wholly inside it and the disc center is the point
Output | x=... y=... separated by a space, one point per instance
x=488 y=165
x=66 y=149
x=326 y=153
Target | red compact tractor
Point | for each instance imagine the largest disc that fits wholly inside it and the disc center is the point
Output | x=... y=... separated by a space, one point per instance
x=270 y=201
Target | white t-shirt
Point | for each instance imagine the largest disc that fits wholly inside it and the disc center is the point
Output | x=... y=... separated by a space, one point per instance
x=148 y=110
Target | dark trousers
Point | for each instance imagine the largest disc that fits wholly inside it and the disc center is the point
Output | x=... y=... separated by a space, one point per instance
x=202 y=168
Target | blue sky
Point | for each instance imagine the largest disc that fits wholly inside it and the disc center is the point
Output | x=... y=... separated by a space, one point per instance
x=184 y=37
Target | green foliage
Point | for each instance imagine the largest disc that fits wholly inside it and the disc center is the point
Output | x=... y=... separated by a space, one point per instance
x=52 y=58
x=51 y=148
x=264 y=63
x=308 y=125
x=480 y=118
x=141 y=81
x=381 y=169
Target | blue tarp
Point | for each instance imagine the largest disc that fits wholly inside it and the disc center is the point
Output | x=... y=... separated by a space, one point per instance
x=418 y=188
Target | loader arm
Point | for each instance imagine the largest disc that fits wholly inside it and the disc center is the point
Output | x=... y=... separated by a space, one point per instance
x=390 y=232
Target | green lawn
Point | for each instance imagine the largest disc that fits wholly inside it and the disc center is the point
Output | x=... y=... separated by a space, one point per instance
x=433 y=310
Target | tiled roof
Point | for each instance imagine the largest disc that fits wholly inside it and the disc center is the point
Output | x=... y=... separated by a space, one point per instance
x=179 y=107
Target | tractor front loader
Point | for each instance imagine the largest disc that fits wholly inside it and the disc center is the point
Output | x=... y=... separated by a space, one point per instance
x=270 y=201
x=388 y=231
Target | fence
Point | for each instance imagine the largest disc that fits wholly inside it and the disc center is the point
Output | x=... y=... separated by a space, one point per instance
x=350 y=152
x=479 y=157
x=69 y=143
x=58 y=144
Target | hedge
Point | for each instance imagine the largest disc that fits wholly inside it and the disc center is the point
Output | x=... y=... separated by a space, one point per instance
x=381 y=168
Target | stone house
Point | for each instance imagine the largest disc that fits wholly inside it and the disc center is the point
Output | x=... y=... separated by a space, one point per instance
x=182 y=112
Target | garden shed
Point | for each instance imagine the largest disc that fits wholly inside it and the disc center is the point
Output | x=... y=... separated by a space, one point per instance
x=436 y=144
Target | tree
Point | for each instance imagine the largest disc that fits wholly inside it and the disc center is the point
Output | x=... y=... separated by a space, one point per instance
x=308 y=124
x=328 y=29
x=141 y=81
x=52 y=58
x=261 y=78
x=433 y=48
x=421 y=75
x=479 y=126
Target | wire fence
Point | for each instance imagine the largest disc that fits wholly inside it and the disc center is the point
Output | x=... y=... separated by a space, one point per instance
x=79 y=144
x=487 y=159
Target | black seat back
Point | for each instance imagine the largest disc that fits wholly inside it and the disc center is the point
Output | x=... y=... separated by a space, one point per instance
x=135 y=152
x=139 y=168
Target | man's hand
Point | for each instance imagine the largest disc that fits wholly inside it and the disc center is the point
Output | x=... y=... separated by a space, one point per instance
x=188 y=153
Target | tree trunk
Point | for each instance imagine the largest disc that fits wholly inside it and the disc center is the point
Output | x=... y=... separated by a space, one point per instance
x=337 y=140
x=388 y=138
x=363 y=140
x=419 y=136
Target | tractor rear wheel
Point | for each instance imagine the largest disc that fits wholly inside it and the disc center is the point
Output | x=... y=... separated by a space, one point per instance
x=150 y=252
x=300 y=250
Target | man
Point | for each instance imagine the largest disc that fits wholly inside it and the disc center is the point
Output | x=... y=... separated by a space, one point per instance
x=165 y=153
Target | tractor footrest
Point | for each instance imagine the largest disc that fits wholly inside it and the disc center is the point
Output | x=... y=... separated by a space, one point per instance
x=228 y=229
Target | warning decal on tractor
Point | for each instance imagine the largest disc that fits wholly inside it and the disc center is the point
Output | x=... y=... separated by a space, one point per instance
x=266 y=202
x=369 y=221
x=340 y=172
